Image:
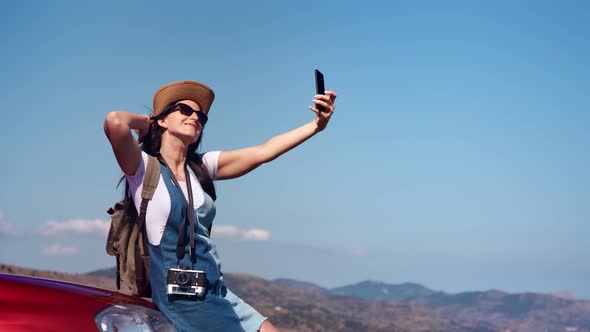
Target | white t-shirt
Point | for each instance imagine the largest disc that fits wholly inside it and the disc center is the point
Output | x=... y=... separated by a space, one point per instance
x=159 y=207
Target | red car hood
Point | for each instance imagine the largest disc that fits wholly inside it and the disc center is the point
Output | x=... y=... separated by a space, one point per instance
x=36 y=304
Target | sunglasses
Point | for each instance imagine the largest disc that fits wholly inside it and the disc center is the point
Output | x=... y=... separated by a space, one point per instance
x=188 y=111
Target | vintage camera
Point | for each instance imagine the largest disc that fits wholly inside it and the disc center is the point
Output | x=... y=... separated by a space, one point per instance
x=185 y=282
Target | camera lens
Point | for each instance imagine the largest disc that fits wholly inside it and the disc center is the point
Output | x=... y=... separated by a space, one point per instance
x=182 y=278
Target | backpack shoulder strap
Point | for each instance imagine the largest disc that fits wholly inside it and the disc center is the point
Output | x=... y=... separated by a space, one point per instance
x=150 y=182
x=151 y=178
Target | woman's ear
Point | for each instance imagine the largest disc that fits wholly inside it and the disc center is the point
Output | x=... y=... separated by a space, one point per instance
x=162 y=122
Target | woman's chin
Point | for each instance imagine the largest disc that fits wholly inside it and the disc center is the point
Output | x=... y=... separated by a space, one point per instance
x=187 y=136
x=192 y=138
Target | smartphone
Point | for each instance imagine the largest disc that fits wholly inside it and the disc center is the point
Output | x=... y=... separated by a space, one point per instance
x=319 y=87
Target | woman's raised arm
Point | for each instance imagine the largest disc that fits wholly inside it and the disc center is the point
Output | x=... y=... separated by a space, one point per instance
x=117 y=127
x=236 y=163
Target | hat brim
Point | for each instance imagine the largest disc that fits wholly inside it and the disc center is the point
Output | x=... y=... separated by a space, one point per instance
x=183 y=90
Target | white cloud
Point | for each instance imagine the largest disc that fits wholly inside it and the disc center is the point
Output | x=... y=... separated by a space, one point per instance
x=256 y=235
x=7 y=228
x=59 y=250
x=231 y=232
x=79 y=226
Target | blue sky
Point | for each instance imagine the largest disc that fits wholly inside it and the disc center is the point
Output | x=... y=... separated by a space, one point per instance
x=456 y=158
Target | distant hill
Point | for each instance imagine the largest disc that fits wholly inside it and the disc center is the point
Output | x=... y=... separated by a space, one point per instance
x=519 y=312
x=302 y=286
x=485 y=311
x=376 y=290
x=305 y=307
x=98 y=281
x=107 y=273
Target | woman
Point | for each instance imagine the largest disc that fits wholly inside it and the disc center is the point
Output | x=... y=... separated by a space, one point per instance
x=172 y=133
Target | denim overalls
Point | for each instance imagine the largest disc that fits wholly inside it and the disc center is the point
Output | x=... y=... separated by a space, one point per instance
x=219 y=309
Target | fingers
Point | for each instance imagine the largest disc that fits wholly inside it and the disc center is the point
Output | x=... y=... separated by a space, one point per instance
x=326 y=114
x=326 y=98
x=331 y=94
x=325 y=101
x=326 y=105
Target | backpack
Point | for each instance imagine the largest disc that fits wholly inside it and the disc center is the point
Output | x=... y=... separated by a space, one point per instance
x=127 y=239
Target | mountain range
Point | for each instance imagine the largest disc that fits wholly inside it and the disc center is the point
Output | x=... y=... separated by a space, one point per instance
x=294 y=305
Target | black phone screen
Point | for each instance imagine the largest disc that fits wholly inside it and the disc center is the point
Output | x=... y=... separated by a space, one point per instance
x=319 y=82
x=320 y=89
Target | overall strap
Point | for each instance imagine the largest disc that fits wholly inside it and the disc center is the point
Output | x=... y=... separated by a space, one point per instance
x=189 y=212
x=195 y=168
x=150 y=182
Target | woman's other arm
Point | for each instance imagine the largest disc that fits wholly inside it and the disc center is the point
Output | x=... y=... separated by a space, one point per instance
x=117 y=127
x=236 y=163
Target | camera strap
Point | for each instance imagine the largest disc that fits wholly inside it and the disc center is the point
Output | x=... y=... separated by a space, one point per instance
x=188 y=211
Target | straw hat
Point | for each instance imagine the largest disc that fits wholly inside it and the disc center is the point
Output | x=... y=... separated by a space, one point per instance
x=176 y=91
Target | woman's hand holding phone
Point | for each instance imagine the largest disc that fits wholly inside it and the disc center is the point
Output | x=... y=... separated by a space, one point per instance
x=323 y=102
